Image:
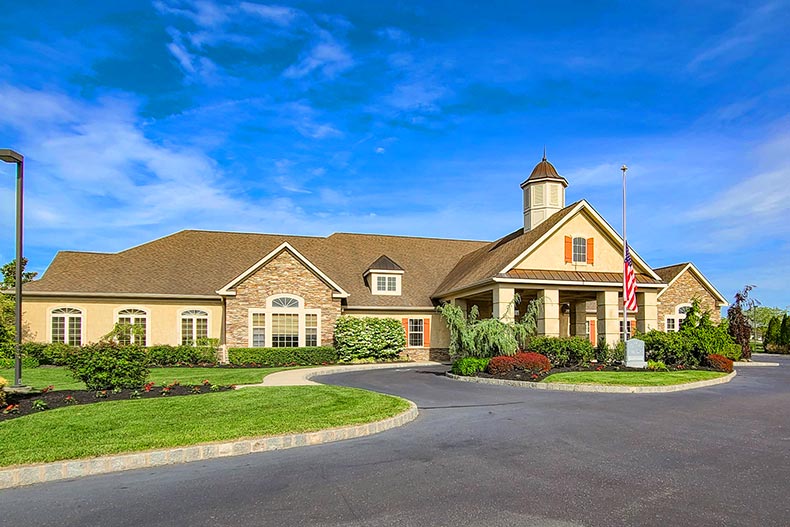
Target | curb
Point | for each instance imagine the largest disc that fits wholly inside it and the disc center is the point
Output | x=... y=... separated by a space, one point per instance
x=740 y=364
x=302 y=376
x=59 y=470
x=596 y=388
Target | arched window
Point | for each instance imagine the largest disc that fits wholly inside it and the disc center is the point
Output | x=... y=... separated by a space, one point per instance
x=285 y=301
x=194 y=326
x=67 y=326
x=580 y=250
x=673 y=321
x=133 y=326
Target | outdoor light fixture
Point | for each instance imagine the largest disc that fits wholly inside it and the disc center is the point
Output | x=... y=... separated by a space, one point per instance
x=9 y=156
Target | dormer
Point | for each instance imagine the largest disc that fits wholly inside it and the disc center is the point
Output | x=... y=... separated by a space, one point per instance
x=384 y=277
x=544 y=194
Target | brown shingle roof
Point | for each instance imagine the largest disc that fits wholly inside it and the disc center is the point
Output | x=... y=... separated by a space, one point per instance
x=545 y=170
x=487 y=261
x=575 y=276
x=201 y=262
x=669 y=272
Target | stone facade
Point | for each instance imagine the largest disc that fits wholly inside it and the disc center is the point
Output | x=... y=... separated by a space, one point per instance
x=685 y=288
x=284 y=274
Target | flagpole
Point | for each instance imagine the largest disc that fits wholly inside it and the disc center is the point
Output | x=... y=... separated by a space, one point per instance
x=625 y=255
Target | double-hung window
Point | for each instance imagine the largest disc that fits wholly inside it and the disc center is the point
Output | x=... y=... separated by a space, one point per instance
x=194 y=327
x=67 y=326
x=416 y=333
x=580 y=250
x=133 y=325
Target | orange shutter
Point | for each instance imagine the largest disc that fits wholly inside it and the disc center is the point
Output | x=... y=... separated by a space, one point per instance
x=592 y=332
x=590 y=251
x=405 y=323
x=426 y=327
x=568 y=249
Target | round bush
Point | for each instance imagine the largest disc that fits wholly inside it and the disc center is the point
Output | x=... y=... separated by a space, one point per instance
x=531 y=361
x=501 y=364
x=106 y=365
x=719 y=362
x=470 y=365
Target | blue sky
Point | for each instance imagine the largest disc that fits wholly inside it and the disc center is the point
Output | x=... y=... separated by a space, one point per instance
x=418 y=118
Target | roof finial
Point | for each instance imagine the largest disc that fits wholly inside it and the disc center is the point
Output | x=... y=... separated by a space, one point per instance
x=544 y=152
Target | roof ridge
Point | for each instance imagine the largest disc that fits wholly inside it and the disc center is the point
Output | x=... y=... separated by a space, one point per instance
x=409 y=237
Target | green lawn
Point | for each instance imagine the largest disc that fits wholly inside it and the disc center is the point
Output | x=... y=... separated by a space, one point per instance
x=126 y=426
x=61 y=379
x=633 y=378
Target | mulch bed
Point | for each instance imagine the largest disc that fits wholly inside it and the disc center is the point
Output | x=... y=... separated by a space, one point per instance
x=529 y=376
x=60 y=398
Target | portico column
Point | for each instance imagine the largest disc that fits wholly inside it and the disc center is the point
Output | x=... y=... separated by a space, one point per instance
x=608 y=326
x=549 y=318
x=647 y=316
x=503 y=303
x=579 y=319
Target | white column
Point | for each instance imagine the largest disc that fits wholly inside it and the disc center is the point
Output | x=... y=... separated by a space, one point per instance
x=647 y=316
x=549 y=318
x=608 y=326
x=503 y=303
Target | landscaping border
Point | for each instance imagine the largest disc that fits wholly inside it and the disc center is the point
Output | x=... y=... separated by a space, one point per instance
x=596 y=388
x=46 y=472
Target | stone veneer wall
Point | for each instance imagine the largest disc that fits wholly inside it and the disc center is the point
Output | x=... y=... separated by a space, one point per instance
x=283 y=274
x=686 y=288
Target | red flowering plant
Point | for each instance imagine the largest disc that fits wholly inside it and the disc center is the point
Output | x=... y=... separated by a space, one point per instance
x=197 y=388
x=11 y=409
x=166 y=390
x=47 y=389
x=69 y=400
x=148 y=386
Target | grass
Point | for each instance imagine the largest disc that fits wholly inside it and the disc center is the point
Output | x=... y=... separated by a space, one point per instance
x=126 y=426
x=61 y=379
x=633 y=378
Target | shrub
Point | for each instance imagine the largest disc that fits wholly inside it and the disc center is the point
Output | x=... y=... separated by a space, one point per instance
x=175 y=355
x=719 y=362
x=468 y=366
x=368 y=338
x=106 y=365
x=656 y=365
x=273 y=357
x=531 y=361
x=43 y=353
x=568 y=351
x=732 y=351
x=27 y=363
x=669 y=348
x=501 y=364
x=3 y=384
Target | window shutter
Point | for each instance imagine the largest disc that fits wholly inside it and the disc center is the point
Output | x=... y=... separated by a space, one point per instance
x=592 y=332
x=405 y=323
x=426 y=337
x=568 y=249
x=590 y=249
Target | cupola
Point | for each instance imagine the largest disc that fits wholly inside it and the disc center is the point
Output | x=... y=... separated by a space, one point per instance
x=544 y=193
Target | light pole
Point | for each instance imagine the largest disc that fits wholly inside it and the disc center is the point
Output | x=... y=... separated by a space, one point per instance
x=9 y=156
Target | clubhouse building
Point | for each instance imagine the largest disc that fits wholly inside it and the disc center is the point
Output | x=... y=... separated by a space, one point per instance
x=264 y=290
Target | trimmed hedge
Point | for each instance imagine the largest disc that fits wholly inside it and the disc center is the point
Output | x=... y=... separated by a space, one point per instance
x=368 y=338
x=165 y=355
x=43 y=353
x=468 y=366
x=565 y=351
x=273 y=357
x=27 y=363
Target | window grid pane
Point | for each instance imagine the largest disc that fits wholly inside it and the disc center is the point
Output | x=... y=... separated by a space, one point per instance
x=415 y=332
x=201 y=328
x=391 y=283
x=59 y=329
x=258 y=330
x=381 y=283
x=187 y=337
x=311 y=329
x=75 y=331
x=285 y=330
x=579 y=250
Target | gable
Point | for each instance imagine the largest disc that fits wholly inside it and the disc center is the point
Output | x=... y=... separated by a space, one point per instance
x=607 y=250
x=284 y=273
x=690 y=283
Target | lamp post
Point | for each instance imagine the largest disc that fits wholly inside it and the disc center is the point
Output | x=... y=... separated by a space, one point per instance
x=9 y=156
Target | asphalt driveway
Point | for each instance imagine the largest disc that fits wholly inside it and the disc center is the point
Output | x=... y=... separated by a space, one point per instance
x=479 y=455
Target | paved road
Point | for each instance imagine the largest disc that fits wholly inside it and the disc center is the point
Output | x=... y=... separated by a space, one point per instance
x=478 y=455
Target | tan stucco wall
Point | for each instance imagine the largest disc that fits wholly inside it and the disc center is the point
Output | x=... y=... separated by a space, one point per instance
x=99 y=317
x=685 y=288
x=550 y=255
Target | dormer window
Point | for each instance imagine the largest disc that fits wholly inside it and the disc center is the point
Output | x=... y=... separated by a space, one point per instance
x=386 y=284
x=580 y=250
x=384 y=277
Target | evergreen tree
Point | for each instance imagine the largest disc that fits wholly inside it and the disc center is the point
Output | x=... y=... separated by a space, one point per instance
x=772 y=333
x=784 y=333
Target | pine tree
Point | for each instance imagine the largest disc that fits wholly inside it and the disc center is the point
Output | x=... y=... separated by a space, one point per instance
x=771 y=337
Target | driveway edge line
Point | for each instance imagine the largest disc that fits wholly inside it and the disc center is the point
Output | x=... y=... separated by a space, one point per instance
x=75 y=468
x=596 y=388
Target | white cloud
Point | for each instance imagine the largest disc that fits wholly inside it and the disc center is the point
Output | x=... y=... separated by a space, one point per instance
x=394 y=34
x=380 y=150
x=281 y=16
x=326 y=56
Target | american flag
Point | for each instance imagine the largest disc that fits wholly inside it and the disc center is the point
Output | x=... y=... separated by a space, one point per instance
x=629 y=282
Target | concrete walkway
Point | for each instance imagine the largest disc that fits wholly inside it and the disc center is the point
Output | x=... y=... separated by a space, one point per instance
x=302 y=376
